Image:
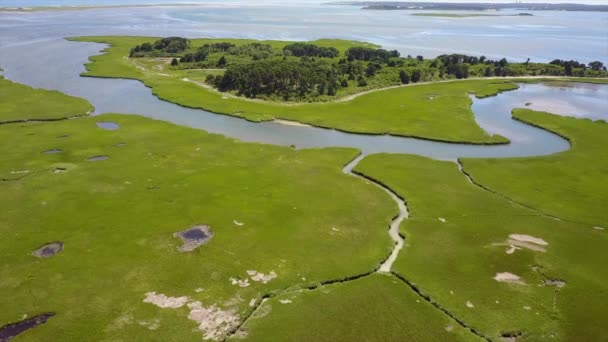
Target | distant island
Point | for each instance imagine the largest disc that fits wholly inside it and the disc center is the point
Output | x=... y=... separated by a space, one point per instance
x=398 y=5
x=468 y=15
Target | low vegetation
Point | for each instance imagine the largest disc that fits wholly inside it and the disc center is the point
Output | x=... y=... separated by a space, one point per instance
x=19 y=102
x=569 y=185
x=464 y=250
x=273 y=210
x=273 y=214
x=374 y=308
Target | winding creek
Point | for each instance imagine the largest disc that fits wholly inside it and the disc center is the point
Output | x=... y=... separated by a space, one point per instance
x=29 y=64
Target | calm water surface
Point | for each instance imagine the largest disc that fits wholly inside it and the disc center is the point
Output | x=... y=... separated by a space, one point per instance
x=33 y=52
x=543 y=37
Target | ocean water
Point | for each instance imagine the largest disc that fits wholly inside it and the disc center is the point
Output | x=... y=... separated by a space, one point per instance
x=543 y=37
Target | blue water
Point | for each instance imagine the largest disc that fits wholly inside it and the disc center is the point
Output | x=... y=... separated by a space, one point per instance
x=543 y=37
x=33 y=51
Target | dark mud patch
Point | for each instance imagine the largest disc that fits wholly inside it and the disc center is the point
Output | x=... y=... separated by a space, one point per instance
x=59 y=170
x=194 y=237
x=63 y=136
x=511 y=336
x=9 y=331
x=48 y=250
x=110 y=126
x=53 y=151
x=98 y=158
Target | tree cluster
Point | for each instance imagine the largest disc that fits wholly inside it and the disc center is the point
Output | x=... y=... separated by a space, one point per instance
x=285 y=78
x=310 y=50
x=163 y=47
x=370 y=54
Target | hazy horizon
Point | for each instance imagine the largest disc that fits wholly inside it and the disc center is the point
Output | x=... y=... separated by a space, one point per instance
x=6 y=3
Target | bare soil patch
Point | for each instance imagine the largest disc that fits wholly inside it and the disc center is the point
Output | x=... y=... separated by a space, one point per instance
x=506 y=277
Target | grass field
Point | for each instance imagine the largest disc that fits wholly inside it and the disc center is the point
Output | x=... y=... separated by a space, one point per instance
x=374 y=308
x=570 y=185
x=456 y=243
x=22 y=103
x=438 y=111
x=273 y=210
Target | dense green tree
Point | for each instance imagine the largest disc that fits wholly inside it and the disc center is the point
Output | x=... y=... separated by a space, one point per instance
x=597 y=66
x=161 y=47
x=310 y=50
x=221 y=62
x=361 y=81
x=416 y=75
x=287 y=79
x=368 y=54
x=404 y=77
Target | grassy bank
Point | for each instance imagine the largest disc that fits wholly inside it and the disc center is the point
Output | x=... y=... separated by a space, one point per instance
x=570 y=185
x=439 y=111
x=19 y=102
x=374 y=308
x=457 y=242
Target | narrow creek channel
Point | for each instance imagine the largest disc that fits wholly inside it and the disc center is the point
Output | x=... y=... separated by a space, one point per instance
x=395 y=224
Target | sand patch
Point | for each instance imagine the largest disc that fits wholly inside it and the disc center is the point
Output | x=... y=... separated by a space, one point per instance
x=441 y=219
x=240 y=224
x=48 y=250
x=214 y=322
x=528 y=238
x=506 y=277
x=284 y=301
x=469 y=305
x=163 y=301
x=520 y=241
x=512 y=249
x=240 y=282
x=290 y=123
x=261 y=277
x=11 y=330
x=598 y=228
x=194 y=237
